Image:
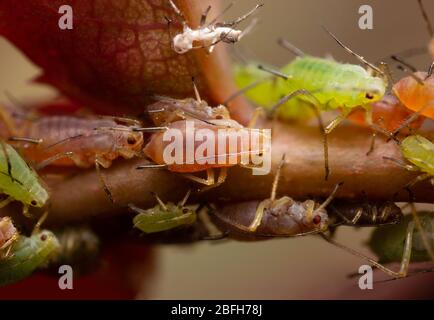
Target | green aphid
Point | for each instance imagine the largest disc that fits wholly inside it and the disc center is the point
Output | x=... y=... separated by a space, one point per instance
x=18 y=181
x=420 y=152
x=28 y=254
x=164 y=217
x=388 y=242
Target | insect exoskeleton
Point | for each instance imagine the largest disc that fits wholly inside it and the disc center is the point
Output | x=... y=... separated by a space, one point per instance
x=164 y=216
x=367 y=213
x=8 y=234
x=28 y=254
x=388 y=114
x=208 y=35
x=273 y=217
x=389 y=243
x=183 y=152
x=18 y=181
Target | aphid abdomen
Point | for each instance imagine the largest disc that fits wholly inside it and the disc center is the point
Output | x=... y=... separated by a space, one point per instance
x=419 y=151
x=29 y=253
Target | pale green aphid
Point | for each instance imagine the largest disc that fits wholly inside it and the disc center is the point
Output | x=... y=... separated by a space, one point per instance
x=18 y=181
x=27 y=255
x=388 y=242
x=164 y=217
x=420 y=152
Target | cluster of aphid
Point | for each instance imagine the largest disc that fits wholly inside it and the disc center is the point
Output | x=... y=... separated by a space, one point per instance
x=307 y=86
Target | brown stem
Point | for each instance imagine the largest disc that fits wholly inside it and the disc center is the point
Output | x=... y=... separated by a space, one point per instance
x=364 y=176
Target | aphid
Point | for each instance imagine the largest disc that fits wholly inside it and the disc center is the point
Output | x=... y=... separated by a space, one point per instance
x=429 y=27
x=75 y=141
x=400 y=242
x=419 y=151
x=8 y=234
x=273 y=217
x=208 y=34
x=27 y=255
x=163 y=216
x=79 y=247
x=328 y=85
x=18 y=181
x=366 y=213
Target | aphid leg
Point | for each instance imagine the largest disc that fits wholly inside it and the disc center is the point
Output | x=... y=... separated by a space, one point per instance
x=254 y=119
x=368 y=119
x=204 y=16
x=178 y=12
x=213 y=21
x=74 y=157
x=209 y=181
x=221 y=178
x=243 y=90
x=408 y=121
x=274 y=72
x=240 y=19
x=5 y=202
x=104 y=163
x=7 y=120
x=422 y=232
x=418 y=179
x=213 y=232
x=402 y=273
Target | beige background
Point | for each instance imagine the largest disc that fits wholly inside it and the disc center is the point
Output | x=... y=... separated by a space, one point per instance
x=293 y=268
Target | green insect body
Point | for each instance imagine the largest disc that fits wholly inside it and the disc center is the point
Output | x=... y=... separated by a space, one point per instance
x=333 y=84
x=387 y=242
x=164 y=217
x=420 y=152
x=18 y=180
x=28 y=254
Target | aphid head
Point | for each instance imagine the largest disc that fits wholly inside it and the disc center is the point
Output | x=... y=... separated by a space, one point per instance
x=129 y=143
x=183 y=42
x=38 y=198
x=373 y=91
x=315 y=219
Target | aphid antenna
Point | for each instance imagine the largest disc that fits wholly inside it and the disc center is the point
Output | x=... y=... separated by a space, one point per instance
x=213 y=21
x=39 y=223
x=133 y=129
x=64 y=141
x=204 y=16
x=415 y=273
x=285 y=44
x=161 y=203
x=276 y=178
x=274 y=72
x=249 y=28
x=357 y=56
x=411 y=74
x=403 y=62
x=330 y=197
x=27 y=140
x=121 y=119
x=243 y=90
x=185 y=199
x=240 y=19
x=426 y=18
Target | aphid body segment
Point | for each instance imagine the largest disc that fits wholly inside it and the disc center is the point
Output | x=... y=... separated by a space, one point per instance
x=388 y=242
x=420 y=152
x=28 y=254
x=19 y=181
x=164 y=216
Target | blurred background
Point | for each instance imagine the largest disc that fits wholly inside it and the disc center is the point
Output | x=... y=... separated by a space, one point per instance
x=302 y=268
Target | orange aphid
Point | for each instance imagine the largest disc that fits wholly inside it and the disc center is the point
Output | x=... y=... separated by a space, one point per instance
x=388 y=114
x=417 y=96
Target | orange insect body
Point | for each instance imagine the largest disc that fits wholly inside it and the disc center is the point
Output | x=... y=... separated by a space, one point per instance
x=387 y=113
x=86 y=138
x=221 y=158
x=416 y=96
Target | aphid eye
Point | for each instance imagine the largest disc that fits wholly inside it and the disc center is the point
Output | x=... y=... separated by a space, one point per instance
x=317 y=219
x=219 y=117
x=131 y=140
x=43 y=237
x=185 y=210
x=369 y=96
x=33 y=203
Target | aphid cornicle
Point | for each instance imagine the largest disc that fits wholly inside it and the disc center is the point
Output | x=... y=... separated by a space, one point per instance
x=18 y=181
x=164 y=216
x=28 y=254
x=209 y=35
x=393 y=243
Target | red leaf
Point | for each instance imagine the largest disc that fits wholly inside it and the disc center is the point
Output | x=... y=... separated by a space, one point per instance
x=118 y=52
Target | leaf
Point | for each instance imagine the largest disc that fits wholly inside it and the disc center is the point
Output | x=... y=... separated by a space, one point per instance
x=118 y=53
